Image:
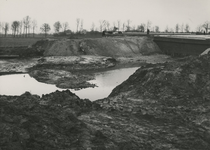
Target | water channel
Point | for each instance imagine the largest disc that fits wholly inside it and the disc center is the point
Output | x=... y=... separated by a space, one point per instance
x=106 y=81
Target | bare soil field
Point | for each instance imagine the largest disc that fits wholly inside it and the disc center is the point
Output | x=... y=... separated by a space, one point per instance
x=16 y=42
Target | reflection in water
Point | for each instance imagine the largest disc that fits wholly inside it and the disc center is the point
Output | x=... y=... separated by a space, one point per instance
x=106 y=81
x=18 y=84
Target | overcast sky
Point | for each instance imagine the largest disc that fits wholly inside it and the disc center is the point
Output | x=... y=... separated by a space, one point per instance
x=160 y=12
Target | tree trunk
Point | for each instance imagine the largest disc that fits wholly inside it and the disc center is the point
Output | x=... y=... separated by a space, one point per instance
x=26 y=32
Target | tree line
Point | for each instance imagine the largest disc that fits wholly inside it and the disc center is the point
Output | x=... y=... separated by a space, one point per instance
x=28 y=26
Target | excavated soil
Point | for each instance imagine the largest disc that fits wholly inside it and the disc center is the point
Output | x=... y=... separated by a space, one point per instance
x=112 y=47
x=161 y=106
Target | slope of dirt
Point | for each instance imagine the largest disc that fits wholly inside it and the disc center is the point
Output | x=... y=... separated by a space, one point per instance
x=50 y=122
x=170 y=103
x=113 y=47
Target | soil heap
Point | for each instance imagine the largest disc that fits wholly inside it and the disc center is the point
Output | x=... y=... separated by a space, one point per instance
x=112 y=47
x=170 y=103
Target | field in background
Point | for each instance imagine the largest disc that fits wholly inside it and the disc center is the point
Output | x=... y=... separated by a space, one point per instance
x=21 y=41
x=17 y=42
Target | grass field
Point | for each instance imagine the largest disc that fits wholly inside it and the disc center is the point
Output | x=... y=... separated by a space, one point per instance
x=21 y=41
x=14 y=42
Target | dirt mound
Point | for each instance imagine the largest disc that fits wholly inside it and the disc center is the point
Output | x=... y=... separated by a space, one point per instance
x=114 y=47
x=173 y=97
x=50 y=122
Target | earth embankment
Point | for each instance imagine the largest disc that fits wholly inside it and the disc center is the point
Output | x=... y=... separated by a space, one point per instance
x=112 y=47
x=171 y=99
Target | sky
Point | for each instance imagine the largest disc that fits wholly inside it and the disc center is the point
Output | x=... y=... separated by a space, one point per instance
x=161 y=13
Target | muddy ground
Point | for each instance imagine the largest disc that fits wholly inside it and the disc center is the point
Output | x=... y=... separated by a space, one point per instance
x=163 y=105
x=72 y=71
x=75 y=60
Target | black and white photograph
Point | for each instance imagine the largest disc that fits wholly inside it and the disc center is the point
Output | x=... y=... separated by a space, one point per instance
x=104 y=74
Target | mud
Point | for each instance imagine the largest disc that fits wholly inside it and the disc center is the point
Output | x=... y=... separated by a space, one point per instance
x=161 y=106
x=72 y=71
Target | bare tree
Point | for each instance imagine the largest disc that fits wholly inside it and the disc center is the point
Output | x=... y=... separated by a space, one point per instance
x=118 y=24
x=81 y=24
x=6 y=28
x=133 y=27
x=128 y=24
x=157 y=29
x=45 y=28
x=104 y=25
x=26 y=22
x=14 y=27
x=123 y=26
x=29 y=27
x=171 y=30
x=177 y=28
x=182 y=28
x=167 y=29
x=101 y=25
x=0 y=28
x=199 y=28
x=20 y=27
x=107 y=25
x=57 y=26
x=77 y=21
x=141 y=27
x=34 y=26
x=206 y=26
x=65 y=26
x=149 y=23
x=93 y=27
x=187 y=28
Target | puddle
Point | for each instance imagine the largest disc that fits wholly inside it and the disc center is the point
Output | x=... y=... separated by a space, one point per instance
x=106 y=82
x=18 y=84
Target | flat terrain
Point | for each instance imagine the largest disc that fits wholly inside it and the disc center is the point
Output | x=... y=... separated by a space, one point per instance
x=16 y=42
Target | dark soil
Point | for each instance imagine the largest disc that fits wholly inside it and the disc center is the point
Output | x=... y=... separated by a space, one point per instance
x=161 y=106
